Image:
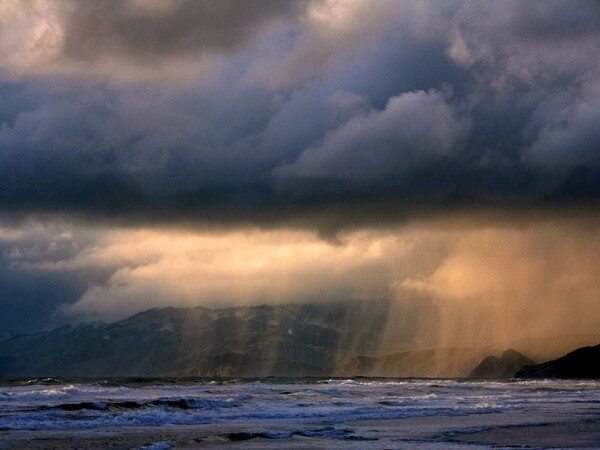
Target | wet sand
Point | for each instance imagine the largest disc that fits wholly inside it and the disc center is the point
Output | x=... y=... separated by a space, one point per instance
x=498 y=430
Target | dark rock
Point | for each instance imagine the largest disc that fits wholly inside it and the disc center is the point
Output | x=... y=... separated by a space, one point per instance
x=503 y=367
x=241 y=436
x=581 y=363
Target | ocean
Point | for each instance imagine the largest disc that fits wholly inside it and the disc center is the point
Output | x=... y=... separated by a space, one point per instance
x=298 y=413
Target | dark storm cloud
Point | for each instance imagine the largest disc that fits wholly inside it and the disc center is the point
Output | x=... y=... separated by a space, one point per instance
x=135 y=40
x=416 y=128
x=567 y=131
x=330 y=116
x=29 y=298
x=331 y=122
x=151 y=31
x=558 y=20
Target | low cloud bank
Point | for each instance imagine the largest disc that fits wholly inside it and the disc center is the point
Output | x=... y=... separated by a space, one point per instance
x=471 y=285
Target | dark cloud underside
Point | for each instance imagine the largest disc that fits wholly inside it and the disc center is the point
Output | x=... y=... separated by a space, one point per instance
x=169 y=29
x=346 y=113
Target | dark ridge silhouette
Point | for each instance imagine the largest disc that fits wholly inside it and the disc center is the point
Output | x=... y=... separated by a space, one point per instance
x=581 y=363
x=346 y=339
x=504 y=366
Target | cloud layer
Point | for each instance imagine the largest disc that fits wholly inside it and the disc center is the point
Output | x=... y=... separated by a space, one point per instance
x=334 y=117
x=460 y=285
x=132 y=39
x=415 y=128
x=310 y=108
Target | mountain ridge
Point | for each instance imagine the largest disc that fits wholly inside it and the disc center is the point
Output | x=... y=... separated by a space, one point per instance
x=307 y=339
x=504 y=366
x=348 y=338
x=582 y=363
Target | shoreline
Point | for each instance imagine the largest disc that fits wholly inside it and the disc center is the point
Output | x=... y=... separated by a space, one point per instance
x=500 y=430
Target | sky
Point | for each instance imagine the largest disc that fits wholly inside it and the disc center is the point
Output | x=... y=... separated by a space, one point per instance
x=218 y=153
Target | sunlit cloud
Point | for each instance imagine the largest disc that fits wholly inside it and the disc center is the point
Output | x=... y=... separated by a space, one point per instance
x=160 y=268
x=475 y=285
x=519 y=282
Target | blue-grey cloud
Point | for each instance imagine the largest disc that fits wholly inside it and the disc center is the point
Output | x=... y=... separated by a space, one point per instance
x=415 y=128
x=30 y=299
x=416 y=109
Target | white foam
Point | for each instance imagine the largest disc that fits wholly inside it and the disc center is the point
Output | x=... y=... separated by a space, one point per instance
x=331 y=402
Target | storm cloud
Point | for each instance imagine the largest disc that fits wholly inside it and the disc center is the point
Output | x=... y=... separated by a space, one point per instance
x=413 y=107
x=456 y=284
x=154 y=30
x=131 y=39
x=414 y=128
x=325 y=118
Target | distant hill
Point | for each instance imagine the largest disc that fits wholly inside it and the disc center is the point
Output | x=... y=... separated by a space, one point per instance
x=546 y=348
x=308 y=339
x=581 y=363
x=439 y=362
x=504 y=366
x=350 y=338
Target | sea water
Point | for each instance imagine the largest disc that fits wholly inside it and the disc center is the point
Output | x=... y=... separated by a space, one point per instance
x=333 y=413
